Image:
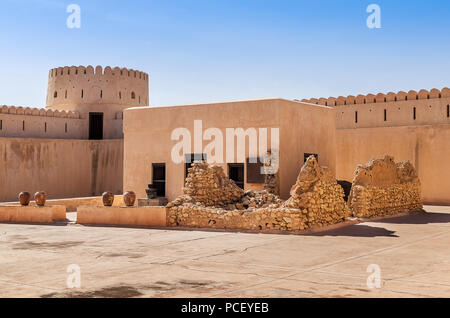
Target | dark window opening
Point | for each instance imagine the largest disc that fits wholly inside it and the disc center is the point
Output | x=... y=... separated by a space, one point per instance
x=133 y=95
x=120 y=95
x=65 y=94
x=385 y=115
x=55 y=94
x=448 y=111
x=347 y=186
x=236 y=173
x=82 y=93
x=95 y=126
x=307 y=155
x=254 y=167
x=159 y=178
x=414 y=113
x=65 y=128
x=1 y=124
x=101 y=94
x=45 y=127
x=191 y=158
x=23 y=125
x=356 y=117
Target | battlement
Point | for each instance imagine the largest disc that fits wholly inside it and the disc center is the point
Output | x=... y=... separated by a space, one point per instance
x=42 y=112
x=98 y=71
x=79 y=88
x=380 y=98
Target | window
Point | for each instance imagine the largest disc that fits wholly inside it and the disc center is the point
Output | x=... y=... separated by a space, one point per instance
x=23 y=125
x=254 y=175
x=414 y=113
x=65 y=94
x=236 y=173
x=307 y=155
x=120 y=95
x=55 y=94
x=448 y=111
x=159 y=178
x=191 y=158
x=133 y=95
x=82 y=93
x=385 y=115
x=356 y=117
x=65 y=128
x=101 y=93
x=45 y=127
x=1 y=124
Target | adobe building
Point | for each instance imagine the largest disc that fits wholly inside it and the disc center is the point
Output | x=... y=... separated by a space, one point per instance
x=97 y=133
x=74 y=146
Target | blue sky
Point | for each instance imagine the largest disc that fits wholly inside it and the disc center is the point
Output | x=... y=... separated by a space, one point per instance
x=217 y=50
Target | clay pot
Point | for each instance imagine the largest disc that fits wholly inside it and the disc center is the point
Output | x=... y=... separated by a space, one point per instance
x=129 y=198
x=108 y=199
x=40 y=198
x=24 y=198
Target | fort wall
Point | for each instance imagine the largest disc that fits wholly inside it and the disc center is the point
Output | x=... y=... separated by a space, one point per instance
x=62 y=168
x=392 y=109
x=426 y=147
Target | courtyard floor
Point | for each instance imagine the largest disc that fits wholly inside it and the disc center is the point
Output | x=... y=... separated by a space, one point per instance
x=412 y=252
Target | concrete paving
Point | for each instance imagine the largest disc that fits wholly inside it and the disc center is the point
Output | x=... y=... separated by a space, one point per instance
x=411 y=251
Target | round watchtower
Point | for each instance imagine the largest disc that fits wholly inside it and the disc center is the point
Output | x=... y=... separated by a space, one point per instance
x=96 y=91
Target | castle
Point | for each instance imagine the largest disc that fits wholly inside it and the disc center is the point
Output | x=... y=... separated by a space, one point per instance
x=81 y=144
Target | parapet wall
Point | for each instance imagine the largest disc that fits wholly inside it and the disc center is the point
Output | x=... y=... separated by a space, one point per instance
x=383 y=187
x=391 y=109
x=26 y=122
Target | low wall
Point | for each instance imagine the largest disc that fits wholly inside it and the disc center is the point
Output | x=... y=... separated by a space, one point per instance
x=145 y=216
x=32 y=214
x=61 y=168
x=73 y=203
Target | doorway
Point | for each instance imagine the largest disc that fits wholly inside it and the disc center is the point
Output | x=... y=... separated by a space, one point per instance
x=236 y=173
x=95 y=126
x=159 y=179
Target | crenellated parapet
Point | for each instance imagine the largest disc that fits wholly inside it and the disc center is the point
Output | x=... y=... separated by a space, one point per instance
x=380 y=98
x=70 y=87
x=42 y=112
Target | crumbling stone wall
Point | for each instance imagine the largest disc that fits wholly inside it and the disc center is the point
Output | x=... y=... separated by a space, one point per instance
x=383 y=187
x=316 y=200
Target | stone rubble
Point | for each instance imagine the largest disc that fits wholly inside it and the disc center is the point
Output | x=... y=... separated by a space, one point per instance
x=212 y=200
x=383 y=187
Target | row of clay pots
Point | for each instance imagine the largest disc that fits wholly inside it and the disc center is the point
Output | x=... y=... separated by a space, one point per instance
x=129 y=198
x=25 y=197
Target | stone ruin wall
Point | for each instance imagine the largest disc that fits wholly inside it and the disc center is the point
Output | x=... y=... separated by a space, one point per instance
x=211 y=200
x=383 y=187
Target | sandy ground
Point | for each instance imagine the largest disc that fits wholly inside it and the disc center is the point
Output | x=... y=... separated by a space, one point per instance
x=412 y=253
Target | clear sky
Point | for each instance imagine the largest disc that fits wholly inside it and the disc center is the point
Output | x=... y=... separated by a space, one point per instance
x=217 y=50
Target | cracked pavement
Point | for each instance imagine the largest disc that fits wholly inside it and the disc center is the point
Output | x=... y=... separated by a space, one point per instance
x=412 y=252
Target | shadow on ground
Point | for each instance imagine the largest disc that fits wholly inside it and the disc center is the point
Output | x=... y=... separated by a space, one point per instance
x=357 y=230
x=418 y=218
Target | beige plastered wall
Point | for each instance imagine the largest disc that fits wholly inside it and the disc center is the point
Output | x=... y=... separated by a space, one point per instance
x=61 y=168
x=148 y=137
